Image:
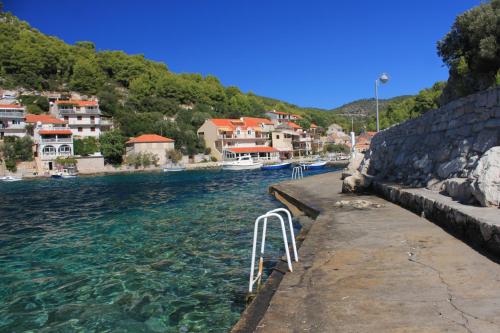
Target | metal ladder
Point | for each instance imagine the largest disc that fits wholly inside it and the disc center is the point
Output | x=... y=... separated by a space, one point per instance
x=270 y=214
x=297 y=172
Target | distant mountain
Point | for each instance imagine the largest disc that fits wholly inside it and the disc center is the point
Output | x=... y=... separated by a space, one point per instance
x=367 y=106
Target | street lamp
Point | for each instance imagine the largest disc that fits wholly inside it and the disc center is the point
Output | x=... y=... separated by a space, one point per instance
x=383 y=78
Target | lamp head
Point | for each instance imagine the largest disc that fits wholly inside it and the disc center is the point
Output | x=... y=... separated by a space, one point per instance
x=384 y=78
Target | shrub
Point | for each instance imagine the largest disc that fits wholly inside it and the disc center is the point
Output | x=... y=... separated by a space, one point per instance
x=174 y=155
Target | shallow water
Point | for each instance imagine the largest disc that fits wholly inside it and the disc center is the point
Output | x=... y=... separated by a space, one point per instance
x=151 y=252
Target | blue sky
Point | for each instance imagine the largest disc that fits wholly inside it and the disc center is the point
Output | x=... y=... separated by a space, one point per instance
x=310 y=53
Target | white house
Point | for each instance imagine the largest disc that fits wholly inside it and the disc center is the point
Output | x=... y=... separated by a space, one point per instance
x=82 y=117
x=52 y=137
x=12 y=120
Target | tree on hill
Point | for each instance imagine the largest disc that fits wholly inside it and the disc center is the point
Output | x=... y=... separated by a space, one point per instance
x=471 y=50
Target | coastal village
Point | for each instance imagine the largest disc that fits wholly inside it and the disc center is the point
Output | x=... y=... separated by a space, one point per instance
x=277 y=137
x=204 y=208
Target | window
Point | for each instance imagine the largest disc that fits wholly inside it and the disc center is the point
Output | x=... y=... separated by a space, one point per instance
x=66 y=118
x=65 y=150
x=92 y=129
x=277 y=137
x=49 y=150
x=92 y=118
x=16 y=122
x=80 y=129
x=238 y=132
x=79 y=118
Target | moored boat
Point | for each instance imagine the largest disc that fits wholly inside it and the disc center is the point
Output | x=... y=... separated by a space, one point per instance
x=174 y=168
x=245 y=162
x=10 y=179
x=276 y=166
x=64 y=174
x=315 y=165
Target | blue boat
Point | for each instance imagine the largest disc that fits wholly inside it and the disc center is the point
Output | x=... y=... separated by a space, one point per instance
x=276 y=166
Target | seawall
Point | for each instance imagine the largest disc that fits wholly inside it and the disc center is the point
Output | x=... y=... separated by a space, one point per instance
x=441 y=144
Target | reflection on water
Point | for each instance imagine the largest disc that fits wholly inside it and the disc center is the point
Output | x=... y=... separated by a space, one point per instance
x=130 y=253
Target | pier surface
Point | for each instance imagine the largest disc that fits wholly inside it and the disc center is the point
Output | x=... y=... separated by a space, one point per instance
x=379 y=268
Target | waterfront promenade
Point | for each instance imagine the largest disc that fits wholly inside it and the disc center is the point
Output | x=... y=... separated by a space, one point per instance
x=380 y=268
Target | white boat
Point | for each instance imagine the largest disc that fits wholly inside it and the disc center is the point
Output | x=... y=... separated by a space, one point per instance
x=245 y=162
x=10 y=179
x=174 y=168
x=314 y=165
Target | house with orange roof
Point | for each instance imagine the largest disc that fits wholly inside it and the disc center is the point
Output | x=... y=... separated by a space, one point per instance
x=150 y=143
x=53 y=138
x=279 y=117
x=83 y=117
x=12 y=120
x=231 y=138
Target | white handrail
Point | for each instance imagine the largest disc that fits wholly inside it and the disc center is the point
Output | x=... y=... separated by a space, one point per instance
x=297 y=172
x=264 y=217
x=292 y=233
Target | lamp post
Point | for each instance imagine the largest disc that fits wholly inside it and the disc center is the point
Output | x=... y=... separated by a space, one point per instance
x=383 y=78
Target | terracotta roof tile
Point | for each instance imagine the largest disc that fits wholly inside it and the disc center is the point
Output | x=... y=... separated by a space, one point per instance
x=43 y=118
x=149 y=138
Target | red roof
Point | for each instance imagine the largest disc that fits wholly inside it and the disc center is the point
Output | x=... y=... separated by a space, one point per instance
x=145 y=138
x=258 y=149
x=43 y=118
x=55 y=132
x=78 y=103
x=243 y=123
x=313 y=125
x=293 y=125
x=11 y=106
x=254 y=122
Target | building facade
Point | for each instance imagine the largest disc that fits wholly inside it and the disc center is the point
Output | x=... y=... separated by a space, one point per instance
x=278 y=117
x=52 y=138
x=231 y=138
x=82 y=117
x=150 y=143
x=12 y=121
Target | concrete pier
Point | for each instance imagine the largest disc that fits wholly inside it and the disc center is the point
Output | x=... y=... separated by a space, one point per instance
x=372 y=266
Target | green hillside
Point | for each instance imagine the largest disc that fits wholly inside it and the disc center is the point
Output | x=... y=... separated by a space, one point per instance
x=138 y=92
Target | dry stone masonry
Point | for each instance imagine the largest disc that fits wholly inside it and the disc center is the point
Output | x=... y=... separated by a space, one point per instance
x=454 y=149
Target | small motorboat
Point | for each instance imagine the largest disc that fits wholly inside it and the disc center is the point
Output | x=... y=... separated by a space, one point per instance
x=276 y=166
x=244 y=162
x=10 y=179
x=174 y=168
x=315 y=165
x=64 y=174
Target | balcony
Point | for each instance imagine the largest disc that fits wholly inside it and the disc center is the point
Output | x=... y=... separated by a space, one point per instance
x=56 y=140
x=81 y=111
x=12 y=114
x=13 y=127
x=234 y=137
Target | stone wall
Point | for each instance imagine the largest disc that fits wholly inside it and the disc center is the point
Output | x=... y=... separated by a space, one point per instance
x=443 y=144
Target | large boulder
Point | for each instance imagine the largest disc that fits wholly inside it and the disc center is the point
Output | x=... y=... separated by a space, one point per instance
x=459 y=189
x=353 y=166
x=485 y=179
x=355 y=183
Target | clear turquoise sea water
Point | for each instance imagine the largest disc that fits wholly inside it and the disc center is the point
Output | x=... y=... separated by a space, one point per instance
x=145 y=252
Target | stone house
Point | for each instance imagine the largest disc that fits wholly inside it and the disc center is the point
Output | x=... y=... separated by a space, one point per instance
x=150 y=143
